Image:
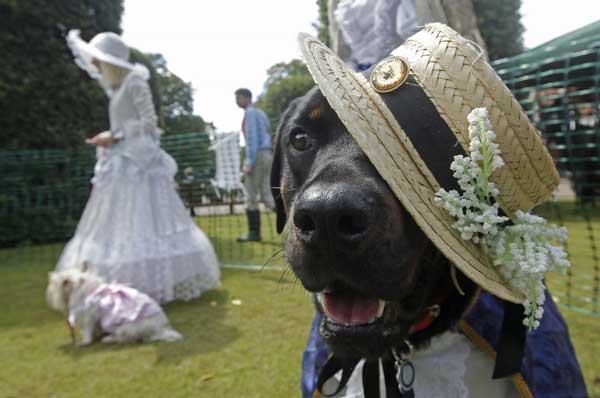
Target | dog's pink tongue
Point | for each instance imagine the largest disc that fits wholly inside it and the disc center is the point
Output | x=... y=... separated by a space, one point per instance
x=350 y=310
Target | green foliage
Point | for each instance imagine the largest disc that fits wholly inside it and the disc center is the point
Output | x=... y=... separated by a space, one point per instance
x=283 y=70
x=43 y=194
x=285 y=82
x=176 y=94
x=185 y=123
x=500 y=25
x=46 y=100
x=322 y=25
x=137 y=56
x=44 y=191
x=191 y=150
x=176 y=101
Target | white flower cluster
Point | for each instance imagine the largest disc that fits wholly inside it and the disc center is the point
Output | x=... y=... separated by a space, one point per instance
x=523 y=251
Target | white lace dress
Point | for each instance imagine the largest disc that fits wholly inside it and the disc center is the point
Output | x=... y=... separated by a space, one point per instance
x=135 y=229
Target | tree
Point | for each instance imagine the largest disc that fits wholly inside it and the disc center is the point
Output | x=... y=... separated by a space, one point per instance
x=46 y=100
x=322 y=25
x=187 y=123
x=137 y=56
x=285 y=82
x=176 y=100
x=500 y=25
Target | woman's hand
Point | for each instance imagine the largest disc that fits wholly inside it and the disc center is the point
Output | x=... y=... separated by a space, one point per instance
x=104 y=139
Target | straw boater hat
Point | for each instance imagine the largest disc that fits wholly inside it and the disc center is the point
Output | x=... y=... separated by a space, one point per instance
x=409 y=115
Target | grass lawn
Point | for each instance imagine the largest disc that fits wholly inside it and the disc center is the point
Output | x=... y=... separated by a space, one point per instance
x=250 y=350
x=223 y=231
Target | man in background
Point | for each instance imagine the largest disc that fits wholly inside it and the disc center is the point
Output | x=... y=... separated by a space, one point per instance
x=257 y=167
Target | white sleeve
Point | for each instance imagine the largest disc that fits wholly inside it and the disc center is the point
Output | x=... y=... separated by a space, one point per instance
x=145 y=122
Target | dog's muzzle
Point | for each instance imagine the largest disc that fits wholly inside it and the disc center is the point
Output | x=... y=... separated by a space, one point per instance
x=334 y=217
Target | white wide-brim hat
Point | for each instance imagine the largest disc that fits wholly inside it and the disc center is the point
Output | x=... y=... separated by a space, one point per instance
x=409 y=116
x=105 y=47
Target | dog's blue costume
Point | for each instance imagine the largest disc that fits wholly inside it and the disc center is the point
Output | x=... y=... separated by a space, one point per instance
x=549 y=368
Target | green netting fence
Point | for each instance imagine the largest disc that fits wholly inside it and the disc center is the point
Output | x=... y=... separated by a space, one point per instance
x=558 y=86
x=43 y=192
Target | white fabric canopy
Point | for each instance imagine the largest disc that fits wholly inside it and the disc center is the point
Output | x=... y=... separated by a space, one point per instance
x=373 y=28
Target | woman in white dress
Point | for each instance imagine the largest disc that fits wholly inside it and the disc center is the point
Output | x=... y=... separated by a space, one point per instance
x=135 y=229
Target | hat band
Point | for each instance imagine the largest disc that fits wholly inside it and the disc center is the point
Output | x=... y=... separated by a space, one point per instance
x=437 y=145
x=428 y=132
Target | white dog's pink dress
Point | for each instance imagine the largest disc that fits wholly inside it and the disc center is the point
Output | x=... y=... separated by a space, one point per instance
x=117 y=305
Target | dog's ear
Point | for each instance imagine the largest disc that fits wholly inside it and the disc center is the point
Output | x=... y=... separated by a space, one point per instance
x=67 y=286
x=276 y=176
x=66 y=290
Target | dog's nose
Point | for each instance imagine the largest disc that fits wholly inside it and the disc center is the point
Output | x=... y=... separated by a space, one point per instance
x=332 y=214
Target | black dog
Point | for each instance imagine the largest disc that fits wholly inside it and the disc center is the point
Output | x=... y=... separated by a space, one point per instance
x=351 y=242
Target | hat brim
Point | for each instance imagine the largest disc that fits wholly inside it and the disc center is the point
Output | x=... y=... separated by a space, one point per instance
x=373 y=126
x=457 y=79
x=84 y=54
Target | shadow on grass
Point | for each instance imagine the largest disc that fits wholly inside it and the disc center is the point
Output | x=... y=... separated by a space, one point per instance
x=203 y=325
x=200 y=321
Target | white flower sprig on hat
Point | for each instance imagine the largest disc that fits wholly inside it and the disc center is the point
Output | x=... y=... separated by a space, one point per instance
x=522 y=251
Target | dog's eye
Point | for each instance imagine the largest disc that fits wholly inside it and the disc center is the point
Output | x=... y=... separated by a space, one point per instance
x=299 y=139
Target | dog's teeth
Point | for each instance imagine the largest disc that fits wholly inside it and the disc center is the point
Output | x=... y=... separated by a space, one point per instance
x=320 y=298
x=380 y=309
x=379 y=312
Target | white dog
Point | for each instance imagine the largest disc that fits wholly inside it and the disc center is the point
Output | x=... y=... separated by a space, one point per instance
x=120 y=313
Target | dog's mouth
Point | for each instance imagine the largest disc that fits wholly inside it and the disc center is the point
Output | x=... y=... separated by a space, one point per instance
x=347 y=309
x=361 y=325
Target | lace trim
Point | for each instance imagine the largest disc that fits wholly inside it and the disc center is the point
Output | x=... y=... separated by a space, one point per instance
x=194 y=287
x=440 y=369
x=140 y=234
x=165 y=279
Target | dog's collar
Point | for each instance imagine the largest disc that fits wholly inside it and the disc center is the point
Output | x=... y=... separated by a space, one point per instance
x=396 y=364
x=371 y=367
x=431 y=313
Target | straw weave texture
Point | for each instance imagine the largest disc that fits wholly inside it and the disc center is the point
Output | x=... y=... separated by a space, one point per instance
x=457 y=79
x=388 y=148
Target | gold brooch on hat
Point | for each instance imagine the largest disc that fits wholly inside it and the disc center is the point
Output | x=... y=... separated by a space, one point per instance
x=389 y=74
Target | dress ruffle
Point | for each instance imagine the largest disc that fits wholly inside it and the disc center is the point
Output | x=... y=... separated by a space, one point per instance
x=136 y=231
